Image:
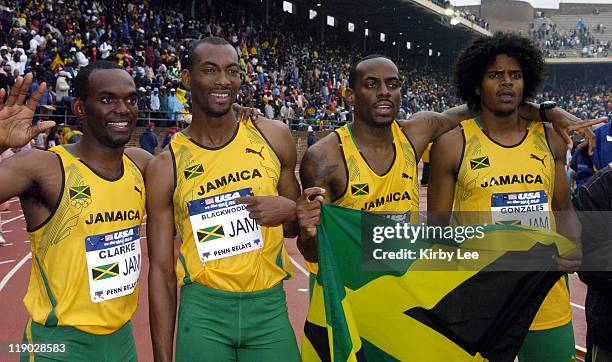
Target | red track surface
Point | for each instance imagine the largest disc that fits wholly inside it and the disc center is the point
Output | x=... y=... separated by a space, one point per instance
x=15 y=267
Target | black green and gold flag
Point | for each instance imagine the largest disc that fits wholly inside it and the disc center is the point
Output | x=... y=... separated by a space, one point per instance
x=105 y=271
x=411 y=313
x=360 y=189
x=193 y=171
x=80 y=192
x=211 y=233
x=479 y=162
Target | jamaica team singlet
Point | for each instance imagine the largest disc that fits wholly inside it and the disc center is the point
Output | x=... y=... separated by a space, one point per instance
x=86 y=256
x=516 y=184
x=395 y=192
x=221 y=247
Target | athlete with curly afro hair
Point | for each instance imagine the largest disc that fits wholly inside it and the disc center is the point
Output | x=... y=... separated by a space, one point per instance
x=499 y=156
x=473 y=61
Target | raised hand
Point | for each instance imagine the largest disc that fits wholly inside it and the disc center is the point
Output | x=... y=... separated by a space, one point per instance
x=564 y=122
x=16 y=128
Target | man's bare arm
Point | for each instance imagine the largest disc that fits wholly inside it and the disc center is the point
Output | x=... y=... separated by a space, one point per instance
x=444 y=161
x=566 y=219
x=159 y=180
x=317 y=170
x=423 y=127
x=18 y=173
x=288 y=185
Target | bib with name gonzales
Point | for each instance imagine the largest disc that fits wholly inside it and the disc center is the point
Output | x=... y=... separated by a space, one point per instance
x=221 y=246
x=87 y=255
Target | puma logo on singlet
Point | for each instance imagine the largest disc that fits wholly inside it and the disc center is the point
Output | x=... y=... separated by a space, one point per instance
x=405 y=175
x=250 y=150
x=138 y=190
x=539 y=159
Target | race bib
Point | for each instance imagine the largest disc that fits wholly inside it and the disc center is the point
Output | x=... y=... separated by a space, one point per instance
x=223 y=228
x=113 y=261
x=521 y=208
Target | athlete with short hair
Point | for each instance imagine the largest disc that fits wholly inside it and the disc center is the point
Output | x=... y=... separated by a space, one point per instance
x=85 y=242
x=228 y=188
x=494 y=159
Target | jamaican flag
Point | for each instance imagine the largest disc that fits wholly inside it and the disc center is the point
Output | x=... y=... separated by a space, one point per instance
x=412 y=312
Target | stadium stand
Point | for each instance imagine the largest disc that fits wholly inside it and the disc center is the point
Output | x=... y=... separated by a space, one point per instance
x=289 y=75
x=563 y=36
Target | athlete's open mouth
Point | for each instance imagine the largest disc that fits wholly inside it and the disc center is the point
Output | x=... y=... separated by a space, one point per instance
x=221 y=96
x=119 y=125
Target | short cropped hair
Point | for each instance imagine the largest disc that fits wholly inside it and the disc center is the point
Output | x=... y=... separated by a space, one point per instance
x=81 y=82
x=352 y=79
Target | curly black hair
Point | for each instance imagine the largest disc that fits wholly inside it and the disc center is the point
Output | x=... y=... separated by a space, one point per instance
x=474 y=59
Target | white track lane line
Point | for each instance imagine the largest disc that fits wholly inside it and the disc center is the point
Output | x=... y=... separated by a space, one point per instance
x=7 y=261
x=577 y=306
x=10 y=274
x=13 y=219
x=297 y=265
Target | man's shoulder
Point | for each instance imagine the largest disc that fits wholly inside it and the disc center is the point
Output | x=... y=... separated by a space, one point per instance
x=272 y=129
x=34 y=160
x=327 y=147
x=452 y=138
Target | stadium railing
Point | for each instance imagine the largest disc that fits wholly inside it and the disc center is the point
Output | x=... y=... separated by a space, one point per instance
x=62 y=115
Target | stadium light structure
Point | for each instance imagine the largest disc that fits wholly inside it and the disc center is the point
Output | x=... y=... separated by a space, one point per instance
x=351 y=27
x=319 y=4
x=312 y=14
x=383 y=37
x=287 y=7
x=430 y=52
x=408 y=45
x=331 y=21
x=367 y=32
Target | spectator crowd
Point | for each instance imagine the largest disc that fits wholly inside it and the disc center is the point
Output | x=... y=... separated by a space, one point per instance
x=288 y=75
x=579 y=40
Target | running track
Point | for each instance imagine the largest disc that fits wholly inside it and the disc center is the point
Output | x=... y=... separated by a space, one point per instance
x=15 y=265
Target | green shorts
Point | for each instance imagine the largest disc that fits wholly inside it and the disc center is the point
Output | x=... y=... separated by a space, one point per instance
x=71 y=344
x=555 y=344
x=216 y=325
